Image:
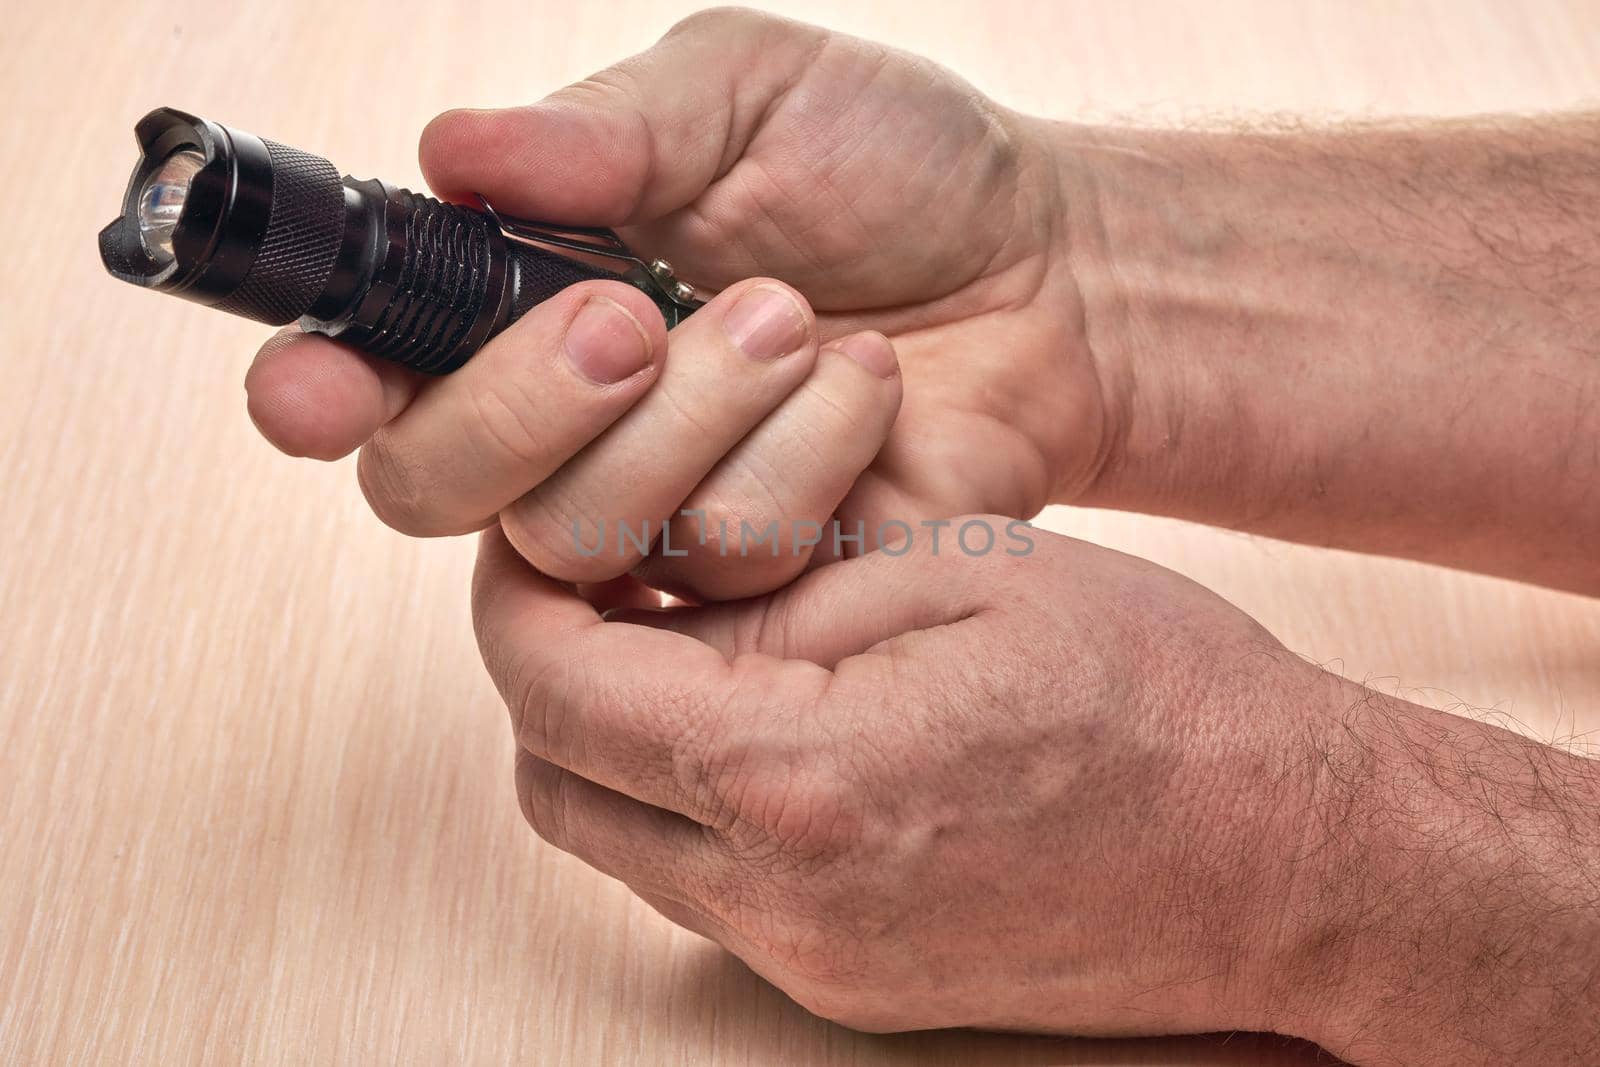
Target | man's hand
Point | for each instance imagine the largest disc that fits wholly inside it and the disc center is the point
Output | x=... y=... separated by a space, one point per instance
x=1065 y=791
x=1380 y=338
x=896 y=198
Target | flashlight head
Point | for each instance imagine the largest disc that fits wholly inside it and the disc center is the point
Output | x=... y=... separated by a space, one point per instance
x=255 y=228
x=161 y=202
x=225 y=218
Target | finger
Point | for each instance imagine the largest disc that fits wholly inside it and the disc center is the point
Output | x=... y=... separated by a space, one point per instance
x=654 y=851
x=649 y=713
x=833 y=613
x=733 y=362
x=632 y=142
x=311 y=396
x=755 y=520
x=531 y=398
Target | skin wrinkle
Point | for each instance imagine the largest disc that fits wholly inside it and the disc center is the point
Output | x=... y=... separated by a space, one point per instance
x=734 y=156
x=760 y=187
x=644 y=131
x=509 y=424
x=542 y=537
x=812 y=222
x=1088 y=259
x=388 y=483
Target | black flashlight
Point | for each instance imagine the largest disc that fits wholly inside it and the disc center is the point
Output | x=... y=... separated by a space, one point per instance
x=254 y=228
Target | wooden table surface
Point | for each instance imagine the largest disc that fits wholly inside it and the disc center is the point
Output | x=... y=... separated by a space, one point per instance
x=255 y=789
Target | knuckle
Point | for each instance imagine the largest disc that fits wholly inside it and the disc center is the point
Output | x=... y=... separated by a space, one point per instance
x=720 y=888
x=826 y=958
x=785 y=812
x=720 y=781
x=394 y=492
x=609 y=107
x=734 y=767
x=834 y=408
x=733 y=544
x=506 y=423
x=814 y=950
x=824 y=966
x=541 y=699
x=843 y=1003
x=540 y=794
x=803 y=819
x=724 y=512
x=747 y=493
x=718 y=20
x=707 y=528
x=549 y=534
x=698 y=749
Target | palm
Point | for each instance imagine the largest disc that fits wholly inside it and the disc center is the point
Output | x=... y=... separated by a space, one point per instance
x=897 y=199
x=865 y=184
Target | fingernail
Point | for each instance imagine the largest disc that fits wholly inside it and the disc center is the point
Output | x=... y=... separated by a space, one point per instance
x=872 y=350
x=606 y=344
x=766 y=323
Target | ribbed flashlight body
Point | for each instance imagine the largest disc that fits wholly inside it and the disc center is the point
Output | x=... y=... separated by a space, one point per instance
x=397 y=274
x=276 y=234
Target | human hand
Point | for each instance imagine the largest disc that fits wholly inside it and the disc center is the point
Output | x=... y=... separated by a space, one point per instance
x=887 y=191
x=1050 y=792
x=1063 y=791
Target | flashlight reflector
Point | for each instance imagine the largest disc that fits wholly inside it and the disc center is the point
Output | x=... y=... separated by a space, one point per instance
x=161 y=201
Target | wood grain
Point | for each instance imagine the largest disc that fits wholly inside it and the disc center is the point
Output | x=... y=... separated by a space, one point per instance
x=255 y=794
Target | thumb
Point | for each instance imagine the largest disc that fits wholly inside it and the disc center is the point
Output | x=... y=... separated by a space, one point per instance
x=633 y=142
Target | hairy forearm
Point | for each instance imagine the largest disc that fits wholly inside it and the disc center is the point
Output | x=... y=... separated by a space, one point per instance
x=1447 y=908
x=1384 y=338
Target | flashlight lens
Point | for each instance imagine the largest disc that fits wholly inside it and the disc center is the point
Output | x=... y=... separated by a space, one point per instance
x=161 y=202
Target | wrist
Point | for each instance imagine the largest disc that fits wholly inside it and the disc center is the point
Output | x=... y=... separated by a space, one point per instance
x=1443 y=904
x=1275 y=318
x=1154 y=240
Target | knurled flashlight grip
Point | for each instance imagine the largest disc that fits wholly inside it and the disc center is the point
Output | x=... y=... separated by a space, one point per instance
x=440 y=279
x=256 y=228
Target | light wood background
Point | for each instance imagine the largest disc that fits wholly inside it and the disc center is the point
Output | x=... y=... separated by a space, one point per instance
x=255 y=796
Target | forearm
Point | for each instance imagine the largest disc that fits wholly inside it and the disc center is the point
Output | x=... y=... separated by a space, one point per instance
x=1381 y=338
x=1447 y=908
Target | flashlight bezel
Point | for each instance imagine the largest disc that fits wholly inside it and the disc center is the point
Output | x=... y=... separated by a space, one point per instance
x=224 y=217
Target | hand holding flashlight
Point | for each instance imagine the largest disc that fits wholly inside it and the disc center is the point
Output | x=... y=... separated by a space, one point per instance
x=744 y=150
